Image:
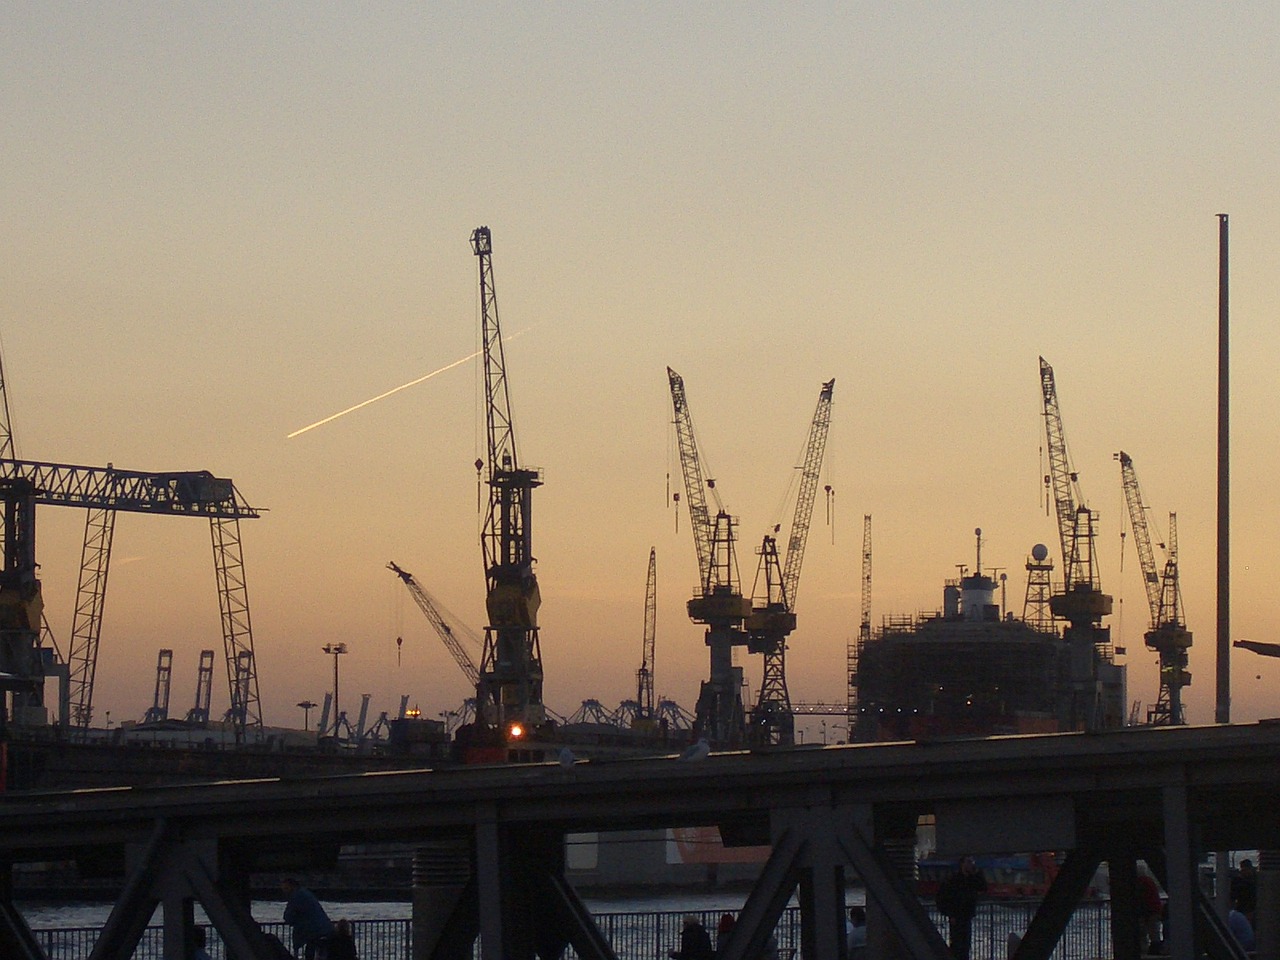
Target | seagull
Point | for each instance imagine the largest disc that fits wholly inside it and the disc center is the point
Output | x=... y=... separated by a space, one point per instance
x=698 y=751
x=567 y=759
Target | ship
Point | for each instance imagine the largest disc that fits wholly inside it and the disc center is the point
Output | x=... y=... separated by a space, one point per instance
x=974 y=669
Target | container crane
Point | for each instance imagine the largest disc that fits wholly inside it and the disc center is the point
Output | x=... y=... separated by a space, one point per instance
x=509 y=688
x=773 y=616
x=159 y=709
x=643 y=714
x=1168 y=635
x=441 y=626
x=1097 y=682
x=718 y=603
x=199 y=713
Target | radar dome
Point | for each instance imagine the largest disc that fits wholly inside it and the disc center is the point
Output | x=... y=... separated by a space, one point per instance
x=1039 y=552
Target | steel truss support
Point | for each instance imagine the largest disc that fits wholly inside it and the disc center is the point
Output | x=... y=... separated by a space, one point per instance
x=237 y=630
x=516 y=901
x=175 y=873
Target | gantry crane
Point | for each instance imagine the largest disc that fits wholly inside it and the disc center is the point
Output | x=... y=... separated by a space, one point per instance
x=1168 y=635
x=509 y=688
x=104 y=492
x=719 y=603
x=643 y=715
x=773 y=616
x=440 y=624
x=1097 y=684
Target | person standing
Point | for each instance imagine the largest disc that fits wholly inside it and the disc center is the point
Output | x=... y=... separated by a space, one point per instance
x=303 y=913
x=695 y=942
x=958 y=901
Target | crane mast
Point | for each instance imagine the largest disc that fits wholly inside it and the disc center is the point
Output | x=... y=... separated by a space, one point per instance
x=719 y=603
x=1097 y=683
x=1168 y=634
x=773 y=616
x=509 y=689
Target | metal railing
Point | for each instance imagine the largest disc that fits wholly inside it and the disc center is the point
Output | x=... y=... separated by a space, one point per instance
x=644 y=936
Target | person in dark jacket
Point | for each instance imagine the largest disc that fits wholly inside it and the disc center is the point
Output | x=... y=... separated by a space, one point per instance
x=695 y=942
x=302 y=911
x=958 y=900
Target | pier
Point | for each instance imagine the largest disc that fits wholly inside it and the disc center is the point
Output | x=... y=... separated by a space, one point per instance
x=491 y=838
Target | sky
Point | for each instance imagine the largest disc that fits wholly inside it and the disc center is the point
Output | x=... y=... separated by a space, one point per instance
x=223 y=223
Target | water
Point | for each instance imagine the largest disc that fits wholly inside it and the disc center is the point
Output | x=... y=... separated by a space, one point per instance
x=638 y=928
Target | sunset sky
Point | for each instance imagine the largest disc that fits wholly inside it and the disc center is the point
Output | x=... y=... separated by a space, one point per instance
x=225 y=222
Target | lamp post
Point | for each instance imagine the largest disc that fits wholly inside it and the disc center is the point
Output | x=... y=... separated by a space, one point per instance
x=335 y=650
x=307 y=706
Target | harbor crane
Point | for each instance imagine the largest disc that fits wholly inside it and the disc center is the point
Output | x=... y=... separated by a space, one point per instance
x=773 y=616
x=718 y=603
x=1081 y=603
x=440 y=624
x=509 y=687
x=1168 y=635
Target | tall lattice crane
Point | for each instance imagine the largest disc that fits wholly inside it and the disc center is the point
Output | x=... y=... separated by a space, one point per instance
x=719 y=603
x=773 y=616
x=644 y=710
x=1168 y=634
x=1081 y=603
x=509 y=689
x=442 y=626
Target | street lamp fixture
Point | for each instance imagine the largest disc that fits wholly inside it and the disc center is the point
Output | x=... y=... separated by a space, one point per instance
x=335 y=650
x=307 y=706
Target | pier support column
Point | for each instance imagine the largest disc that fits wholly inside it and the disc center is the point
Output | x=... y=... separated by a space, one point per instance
x=1267 y=911
x=1181 y=868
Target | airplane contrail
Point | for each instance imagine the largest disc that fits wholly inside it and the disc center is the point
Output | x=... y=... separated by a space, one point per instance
x=403 y=386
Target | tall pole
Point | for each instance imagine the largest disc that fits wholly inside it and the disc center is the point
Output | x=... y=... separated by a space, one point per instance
x=1223 y=701
x=335 y=650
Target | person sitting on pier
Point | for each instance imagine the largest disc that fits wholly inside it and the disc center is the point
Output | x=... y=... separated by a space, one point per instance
x=304 y=914
x=695 y=942
x=343 y=944
x=198 y=940
x=856 y=933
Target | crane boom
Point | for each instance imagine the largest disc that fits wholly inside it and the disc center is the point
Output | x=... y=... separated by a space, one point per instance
x=695 y=485
x=1066 y=491
x=1141 y=535
x=438 y=623
x=814 y=451
x=510 y=676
